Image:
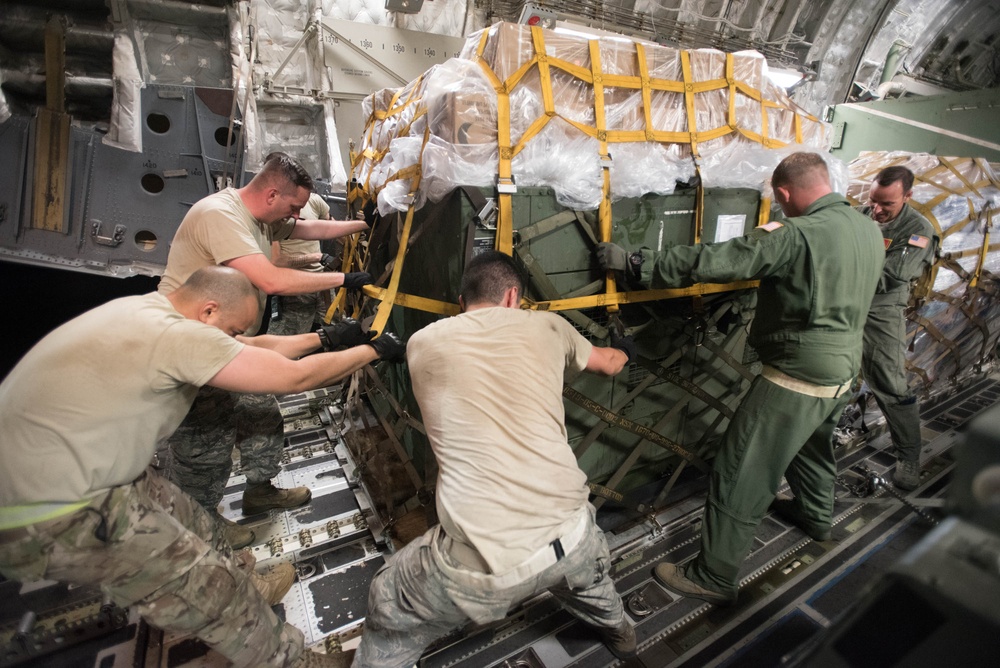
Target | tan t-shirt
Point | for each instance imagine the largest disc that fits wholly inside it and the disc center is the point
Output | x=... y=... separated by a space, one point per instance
x=219 y=228
x=85 y=408
x=489 y=385
x=315 y=209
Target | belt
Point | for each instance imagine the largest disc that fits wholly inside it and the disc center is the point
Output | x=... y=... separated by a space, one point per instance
x=803 y=387
x=542 y=558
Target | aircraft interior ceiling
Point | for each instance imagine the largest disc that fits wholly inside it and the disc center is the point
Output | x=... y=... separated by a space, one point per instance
x=841 y=46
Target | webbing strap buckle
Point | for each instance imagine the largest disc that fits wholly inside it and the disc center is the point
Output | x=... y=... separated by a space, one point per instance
x=506 y=186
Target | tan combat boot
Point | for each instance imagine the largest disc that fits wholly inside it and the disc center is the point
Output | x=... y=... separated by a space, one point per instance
x=261 y=497
x=274 y=583
x=674 y=578
x=621 y=640
x=237 y=536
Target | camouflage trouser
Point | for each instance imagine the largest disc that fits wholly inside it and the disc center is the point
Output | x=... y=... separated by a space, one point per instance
x=297 y=314
x=201 y=450
x=148 y=545
x=423 y=593
x=883 y=364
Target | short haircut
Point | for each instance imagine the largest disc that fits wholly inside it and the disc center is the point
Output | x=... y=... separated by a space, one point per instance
x=280 y=170
x=891 y=175
x=488 y=276
x=801 y=170
x=225 y=285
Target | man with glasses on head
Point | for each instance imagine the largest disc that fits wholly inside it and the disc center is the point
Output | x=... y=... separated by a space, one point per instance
x=909 y=251
x=235 y=228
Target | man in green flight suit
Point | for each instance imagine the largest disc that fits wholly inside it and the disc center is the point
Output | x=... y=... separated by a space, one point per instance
x=817 y=270
x=909 y=250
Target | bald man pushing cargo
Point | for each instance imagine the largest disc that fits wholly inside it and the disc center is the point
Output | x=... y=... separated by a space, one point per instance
x=82 y=414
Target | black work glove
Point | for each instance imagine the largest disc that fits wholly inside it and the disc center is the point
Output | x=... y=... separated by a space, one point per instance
x=611 y=256
x=625 y=344
x=346 y=333
x=357 y=279
x=389 y=347
x=329 y=262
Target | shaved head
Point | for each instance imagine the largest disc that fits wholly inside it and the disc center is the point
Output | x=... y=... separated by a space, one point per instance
x=222 y=284
x=798 y=181
x=801 y=170
x=218 y=296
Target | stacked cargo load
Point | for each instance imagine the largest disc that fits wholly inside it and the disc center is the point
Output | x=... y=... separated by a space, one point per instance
x=542 y=144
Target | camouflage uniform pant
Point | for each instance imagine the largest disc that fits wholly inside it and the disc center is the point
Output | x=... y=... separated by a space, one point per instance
x=201 y=450
x=423 y=593
x=148 y=545
x=297 y=314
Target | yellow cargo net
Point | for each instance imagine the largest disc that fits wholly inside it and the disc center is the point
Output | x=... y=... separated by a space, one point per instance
x=404 y=108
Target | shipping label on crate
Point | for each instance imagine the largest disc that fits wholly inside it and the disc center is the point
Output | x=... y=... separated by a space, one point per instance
x=730 y=226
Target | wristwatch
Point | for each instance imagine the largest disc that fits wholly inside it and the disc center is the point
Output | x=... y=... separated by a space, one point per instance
x=635 y=264
x=324 y=340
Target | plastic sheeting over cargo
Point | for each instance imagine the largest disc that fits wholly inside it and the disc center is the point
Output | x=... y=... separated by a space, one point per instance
x=554 y=109
x=955 y=323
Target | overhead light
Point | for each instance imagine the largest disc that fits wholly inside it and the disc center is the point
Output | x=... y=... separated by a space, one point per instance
x=784 y=78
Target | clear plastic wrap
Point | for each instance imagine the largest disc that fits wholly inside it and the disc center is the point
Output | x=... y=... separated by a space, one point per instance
x=651 y=139
x=750 y=166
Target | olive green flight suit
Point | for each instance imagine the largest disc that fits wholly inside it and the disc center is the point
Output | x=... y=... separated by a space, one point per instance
x=818 y=273
x=909 y=249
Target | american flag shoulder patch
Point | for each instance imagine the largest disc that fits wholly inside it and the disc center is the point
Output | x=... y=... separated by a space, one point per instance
x=772 y=226
x=918 y=241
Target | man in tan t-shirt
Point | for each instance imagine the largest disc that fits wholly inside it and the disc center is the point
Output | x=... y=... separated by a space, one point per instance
x=81 y=416
x=298 y=313
x=512 y=501
x=235 y=228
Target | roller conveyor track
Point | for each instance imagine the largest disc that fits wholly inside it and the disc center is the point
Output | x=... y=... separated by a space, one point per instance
x=792 y=587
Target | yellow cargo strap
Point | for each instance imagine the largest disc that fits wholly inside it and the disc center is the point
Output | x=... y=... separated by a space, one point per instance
x=377 y=140
x=389 y=295
x=413 y=301
x=604 y=211
x=635 y=297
